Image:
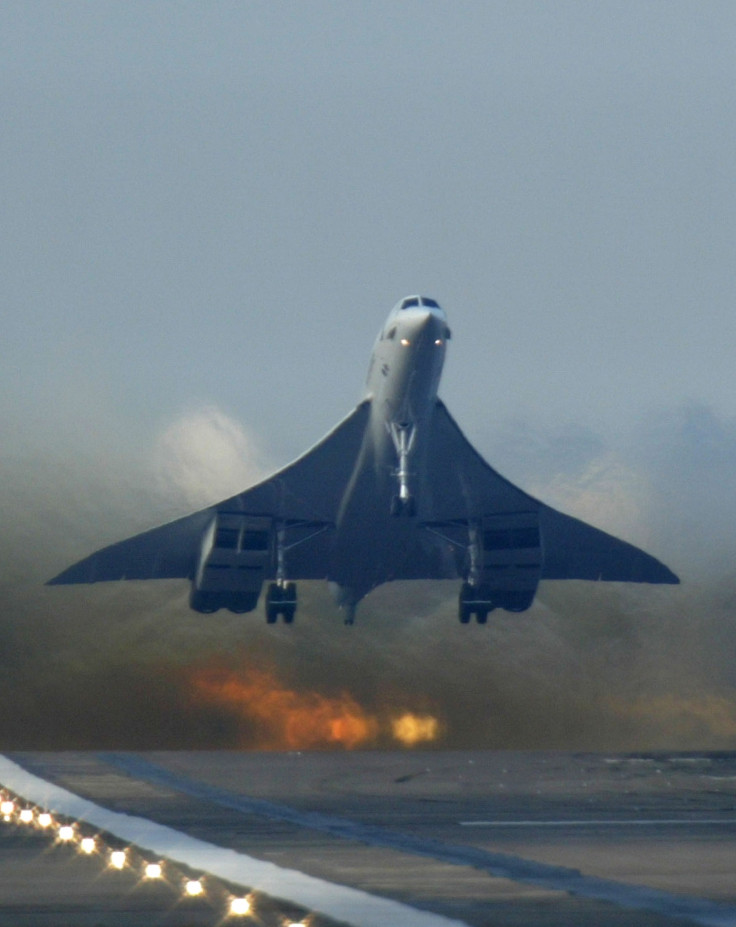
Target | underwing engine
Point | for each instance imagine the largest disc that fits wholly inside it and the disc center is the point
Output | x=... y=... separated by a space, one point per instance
x=235 y=558
x=505 y=564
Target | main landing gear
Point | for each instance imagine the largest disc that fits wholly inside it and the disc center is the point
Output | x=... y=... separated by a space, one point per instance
x=281 y=595
x=474 y=600
x=280 y=600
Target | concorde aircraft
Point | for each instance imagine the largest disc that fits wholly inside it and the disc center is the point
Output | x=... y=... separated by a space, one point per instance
x=394 y=492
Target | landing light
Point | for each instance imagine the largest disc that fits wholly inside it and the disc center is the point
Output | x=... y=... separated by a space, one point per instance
x=88 y=845
x=7 y=808
x=45 y=820
x=154 y=871
x=26 y=816
x=66 y=833
x=193 y=887
x=438 y=341
x=406 y=343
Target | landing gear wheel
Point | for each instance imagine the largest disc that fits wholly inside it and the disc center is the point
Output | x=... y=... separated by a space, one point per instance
x=273 y=603
x=474 y=600
x=206 y=603
x=280 y=600
x=464 y=611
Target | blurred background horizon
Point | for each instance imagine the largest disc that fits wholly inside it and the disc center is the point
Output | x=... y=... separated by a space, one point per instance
x=207 y=213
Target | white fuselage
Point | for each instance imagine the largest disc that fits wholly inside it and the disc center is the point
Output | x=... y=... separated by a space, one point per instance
x=405 y=368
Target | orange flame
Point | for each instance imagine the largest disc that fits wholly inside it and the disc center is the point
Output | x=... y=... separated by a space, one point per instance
x=280 y=718
x=284 y=718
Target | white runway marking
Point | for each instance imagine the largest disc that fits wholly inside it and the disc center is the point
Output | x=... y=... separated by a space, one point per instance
x=349 y=905
x=621 y=822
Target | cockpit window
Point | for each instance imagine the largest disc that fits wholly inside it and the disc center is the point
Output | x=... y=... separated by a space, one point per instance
x=433 y=304
x=410 y=303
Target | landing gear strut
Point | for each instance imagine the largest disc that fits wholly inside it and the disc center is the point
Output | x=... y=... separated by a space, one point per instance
x=403 y=435
x=281 y=596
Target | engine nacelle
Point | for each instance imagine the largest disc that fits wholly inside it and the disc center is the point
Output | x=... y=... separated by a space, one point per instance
x=235 y=558
x=510 y=559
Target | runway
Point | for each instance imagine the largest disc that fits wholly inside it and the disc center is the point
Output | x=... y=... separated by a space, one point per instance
x=369 y=838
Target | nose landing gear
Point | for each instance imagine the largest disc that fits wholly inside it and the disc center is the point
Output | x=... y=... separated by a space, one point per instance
x=403 y=435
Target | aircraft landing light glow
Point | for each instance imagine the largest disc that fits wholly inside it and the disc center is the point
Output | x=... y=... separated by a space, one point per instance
x=7 y=808
x=26 y=816
x=66 y=833
x=88 y=845
x=154 y=871
x=194 y=887
x=45 y=819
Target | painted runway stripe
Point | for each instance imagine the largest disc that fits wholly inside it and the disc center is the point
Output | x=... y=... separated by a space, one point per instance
x=558 y=878
x=621 y=822
x=345 y=904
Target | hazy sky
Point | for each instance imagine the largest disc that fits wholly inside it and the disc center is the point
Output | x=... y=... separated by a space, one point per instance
x=209 y=208
x=218 y=203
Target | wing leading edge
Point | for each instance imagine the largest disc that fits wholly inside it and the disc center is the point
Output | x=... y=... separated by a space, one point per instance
x=307 y=493
x=464 y=486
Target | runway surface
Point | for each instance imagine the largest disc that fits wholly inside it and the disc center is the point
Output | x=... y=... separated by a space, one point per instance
x=405 y=838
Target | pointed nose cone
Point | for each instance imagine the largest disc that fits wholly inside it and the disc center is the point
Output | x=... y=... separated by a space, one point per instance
x=431 y=328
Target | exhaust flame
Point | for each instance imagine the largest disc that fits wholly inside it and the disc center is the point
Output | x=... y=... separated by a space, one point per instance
x=280 y=718
x=284 y=718
x=412 y=729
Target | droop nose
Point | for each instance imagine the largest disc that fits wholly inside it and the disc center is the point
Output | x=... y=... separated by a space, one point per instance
x=430 y=329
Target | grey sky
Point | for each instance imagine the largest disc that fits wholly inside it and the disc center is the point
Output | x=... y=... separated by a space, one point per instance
x=220 y=202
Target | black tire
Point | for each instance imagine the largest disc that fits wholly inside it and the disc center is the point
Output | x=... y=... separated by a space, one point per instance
x=273 y=603
x=481 y=616
x=242 y=602
x=463 y=610
x=206 y=603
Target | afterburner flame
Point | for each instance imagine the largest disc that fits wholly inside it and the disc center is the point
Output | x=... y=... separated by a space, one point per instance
x=276 y=717
x=410 y=729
